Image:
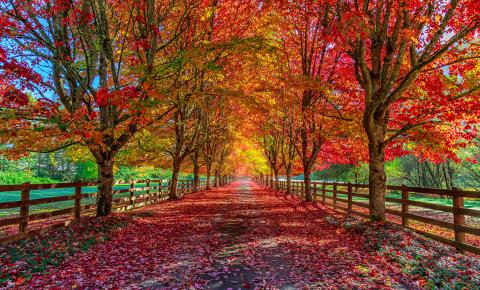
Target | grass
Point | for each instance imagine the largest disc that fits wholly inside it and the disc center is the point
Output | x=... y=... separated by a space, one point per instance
x=468 y=202
x=473 y=203
x=45 y=193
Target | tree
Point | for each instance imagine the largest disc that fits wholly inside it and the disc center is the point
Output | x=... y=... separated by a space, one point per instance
x=310 y=62
x=409 y=60
x=288 y=146
x=221 y=163
x=99 y=70
x=272 y=145
x=215 y=141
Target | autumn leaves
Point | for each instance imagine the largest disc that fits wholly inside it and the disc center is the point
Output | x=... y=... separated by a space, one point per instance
x=372 y=80
x=185 y=84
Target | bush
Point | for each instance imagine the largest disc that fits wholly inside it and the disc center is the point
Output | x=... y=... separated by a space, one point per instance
x=18 y=177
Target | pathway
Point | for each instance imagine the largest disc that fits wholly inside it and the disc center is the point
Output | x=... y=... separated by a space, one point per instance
x=236 y=237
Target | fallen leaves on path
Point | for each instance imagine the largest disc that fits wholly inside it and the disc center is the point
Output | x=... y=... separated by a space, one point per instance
x=239 y=236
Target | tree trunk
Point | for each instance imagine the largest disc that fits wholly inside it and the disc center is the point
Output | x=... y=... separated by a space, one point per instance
x=377 y=180
x=375 y=126
x=307 y=184
x=209 y=176
x=196 y=177
x=275 y=182
x=174 y=183
x=217 y=179
x=289 y=181
x=105 y=187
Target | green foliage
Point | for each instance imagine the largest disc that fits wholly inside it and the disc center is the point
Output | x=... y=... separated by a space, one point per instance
x=343 y=173
x=86 y=170
x=18 y=177
x=411 y=171
x=70 y=166
x=146 y=172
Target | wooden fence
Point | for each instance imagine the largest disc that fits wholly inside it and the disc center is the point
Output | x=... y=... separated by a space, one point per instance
x=353 y=199
x=78 y=203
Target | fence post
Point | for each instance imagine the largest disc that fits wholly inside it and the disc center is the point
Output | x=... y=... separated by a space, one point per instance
x=405 y=206
x=148 y=190
x=458 y=218
x=323 y=192
x=160 y=188
x=78 y=198
x=349 y=198
x=24 y=209
x=302 y=190
x=132 y=192
x=314 y=191
x=334 y=194
x=183 y=187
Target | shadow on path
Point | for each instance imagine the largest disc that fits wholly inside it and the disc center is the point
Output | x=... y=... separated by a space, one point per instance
x=230 y=269
x=236 y=237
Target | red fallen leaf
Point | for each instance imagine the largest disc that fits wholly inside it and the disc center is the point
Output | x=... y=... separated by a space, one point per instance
x=182 y=239
x=19 y=281
x=422 y=282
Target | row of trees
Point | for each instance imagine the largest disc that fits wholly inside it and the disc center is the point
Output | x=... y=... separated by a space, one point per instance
x=121 y=79
x=182 y=82
x=355 y=81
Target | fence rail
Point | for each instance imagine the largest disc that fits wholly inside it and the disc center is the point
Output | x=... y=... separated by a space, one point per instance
x=81 y=203
x=353 y=199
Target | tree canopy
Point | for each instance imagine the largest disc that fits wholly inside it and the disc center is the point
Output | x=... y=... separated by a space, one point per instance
x=256 y=87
